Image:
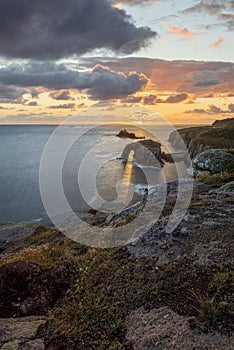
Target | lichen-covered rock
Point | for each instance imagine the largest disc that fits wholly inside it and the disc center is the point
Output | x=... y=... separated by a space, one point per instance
x=21 y=333
x=214 y=160
x=163 y=329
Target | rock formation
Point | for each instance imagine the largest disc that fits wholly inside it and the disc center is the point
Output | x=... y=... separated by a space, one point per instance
x=130 y=135
x=146 y=153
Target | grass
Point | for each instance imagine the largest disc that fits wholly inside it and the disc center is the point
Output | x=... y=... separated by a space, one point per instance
x=220 y=137
x=93 y=314
x=105 y=285
x=215 y=304
x=217 y=180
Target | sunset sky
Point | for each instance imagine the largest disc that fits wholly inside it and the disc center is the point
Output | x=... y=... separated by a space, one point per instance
x=95 y=57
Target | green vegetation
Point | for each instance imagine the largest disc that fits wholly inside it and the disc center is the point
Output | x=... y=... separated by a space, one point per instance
x=94 y=311
x=216 y=303
x=217 y=180
x=90 y=292
x=220 y=137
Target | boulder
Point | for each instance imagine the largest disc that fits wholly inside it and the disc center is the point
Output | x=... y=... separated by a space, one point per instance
x=214 y=161
x=163 y=329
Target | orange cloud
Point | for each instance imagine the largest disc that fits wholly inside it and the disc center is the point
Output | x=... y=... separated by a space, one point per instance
x=217 y=43
x=182 y=32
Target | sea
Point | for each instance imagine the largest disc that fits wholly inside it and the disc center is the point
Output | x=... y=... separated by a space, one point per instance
x=94 y=153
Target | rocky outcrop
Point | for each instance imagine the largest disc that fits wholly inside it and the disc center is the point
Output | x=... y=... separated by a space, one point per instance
x=214 y=161
x=13 y=230
x=163 y=329
x=145 y=153
x=21 y=333
x=130 y=135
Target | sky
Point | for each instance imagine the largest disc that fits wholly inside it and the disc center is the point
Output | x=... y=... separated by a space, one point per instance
x=116 y=58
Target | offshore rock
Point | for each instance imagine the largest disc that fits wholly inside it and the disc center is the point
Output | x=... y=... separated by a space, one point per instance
x=130 y=135
x=146 y=153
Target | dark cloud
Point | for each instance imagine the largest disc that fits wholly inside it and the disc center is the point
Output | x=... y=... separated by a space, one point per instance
x=177 y=98
x=11 y=94
x=99 y=83
x=55 y=29
x=151 y=100
x=196 y=111
x=221 y=9
x=213 y=110
x=208 y=82
x=132 y=99
x=32 y=104
x=231 y=107
x=107 y=84
x=136 y=2
x=61 y=95
x=64 y=106
x=178 y=75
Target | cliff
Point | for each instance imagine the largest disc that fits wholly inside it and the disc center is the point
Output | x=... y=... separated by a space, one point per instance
x=199 y=139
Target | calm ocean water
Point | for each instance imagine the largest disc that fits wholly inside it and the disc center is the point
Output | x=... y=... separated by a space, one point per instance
x=21 y=148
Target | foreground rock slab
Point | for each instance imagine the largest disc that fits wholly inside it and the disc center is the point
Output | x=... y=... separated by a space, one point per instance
x=21 y=333
x=163 y=329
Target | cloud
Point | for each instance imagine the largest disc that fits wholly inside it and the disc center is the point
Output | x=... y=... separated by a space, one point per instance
x=92 y=77
x=184 y=33
x=32 y=104
x=218 y=42
x=177 y=98
x=135 y=2
x=61 y=95
x=221 y=9
x=31 y=118
x=205 y=83
x=132 y=99
x=150 y=100
x=212 y=110
x=11 y=94
x=107 y=84
x=56 y=29
x=99 y=83
x=64 y=106
x=231 y=107
x=178 y=75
